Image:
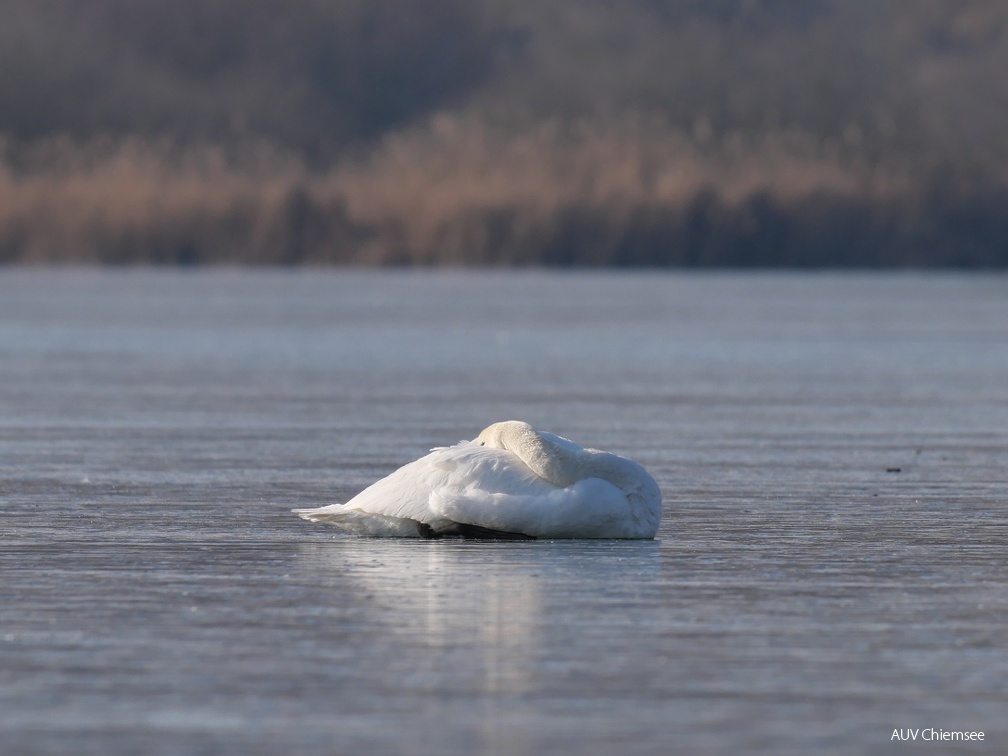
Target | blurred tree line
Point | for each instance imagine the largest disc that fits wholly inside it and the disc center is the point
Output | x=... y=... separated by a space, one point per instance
x=306 y=73
x=682 y=132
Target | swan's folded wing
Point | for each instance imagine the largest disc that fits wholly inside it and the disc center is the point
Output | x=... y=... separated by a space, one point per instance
x=406 y=495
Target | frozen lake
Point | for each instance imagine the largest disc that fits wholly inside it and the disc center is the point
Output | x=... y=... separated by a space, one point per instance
x=832 y=564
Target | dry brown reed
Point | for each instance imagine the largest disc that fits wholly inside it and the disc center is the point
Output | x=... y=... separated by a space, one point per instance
x=457 y=190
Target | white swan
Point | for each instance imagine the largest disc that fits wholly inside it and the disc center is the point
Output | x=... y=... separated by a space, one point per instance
x=512 y=481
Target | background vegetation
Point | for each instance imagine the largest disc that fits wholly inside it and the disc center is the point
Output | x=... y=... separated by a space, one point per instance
x=683 y=132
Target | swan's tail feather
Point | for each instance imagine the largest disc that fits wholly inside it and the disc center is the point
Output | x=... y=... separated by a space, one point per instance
x=361 y=523
x=368 y=524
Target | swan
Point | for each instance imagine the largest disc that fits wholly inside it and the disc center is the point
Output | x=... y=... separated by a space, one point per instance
x=512 y=481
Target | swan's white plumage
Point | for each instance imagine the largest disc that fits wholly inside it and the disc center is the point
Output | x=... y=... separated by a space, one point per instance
x=510 y=480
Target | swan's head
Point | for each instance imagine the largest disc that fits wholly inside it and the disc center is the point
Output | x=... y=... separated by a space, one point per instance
x=550 y=457
x=505 y=435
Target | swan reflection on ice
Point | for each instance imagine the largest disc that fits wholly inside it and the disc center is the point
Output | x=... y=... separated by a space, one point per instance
x=481 y=633
x=512 y=481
